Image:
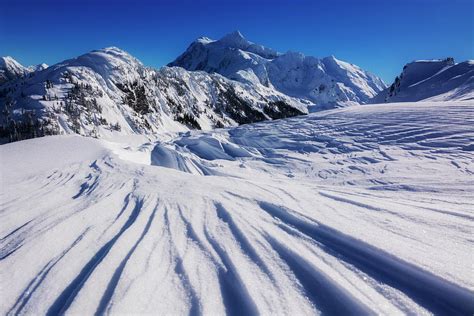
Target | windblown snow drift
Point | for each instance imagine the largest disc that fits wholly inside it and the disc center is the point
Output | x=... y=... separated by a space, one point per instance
x=362 y=210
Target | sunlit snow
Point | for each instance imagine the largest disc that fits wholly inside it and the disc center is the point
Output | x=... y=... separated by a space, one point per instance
x=366 y=209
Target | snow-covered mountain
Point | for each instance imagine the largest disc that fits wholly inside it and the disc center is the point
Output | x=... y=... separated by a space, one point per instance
x=220 y=83
x=109 y=91
x=38 y=67
x=324 y=82
x=431 y=80
x=361 y=210
x=10 y=69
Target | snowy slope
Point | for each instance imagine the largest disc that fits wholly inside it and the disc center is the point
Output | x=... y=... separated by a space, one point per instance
x=361 y=210
x=431 y=80
x=108 y=91
x=325 y=82
x=10 y=69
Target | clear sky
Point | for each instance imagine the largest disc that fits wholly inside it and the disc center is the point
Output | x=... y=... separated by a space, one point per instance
x=378 y=35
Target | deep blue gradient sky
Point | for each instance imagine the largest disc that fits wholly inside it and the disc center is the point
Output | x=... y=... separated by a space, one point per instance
x=378 y=35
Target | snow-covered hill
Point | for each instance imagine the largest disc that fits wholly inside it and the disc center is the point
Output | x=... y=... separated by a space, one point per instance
x=362 y=210
x=326 y=82
x=109 y=91
x=431 y=80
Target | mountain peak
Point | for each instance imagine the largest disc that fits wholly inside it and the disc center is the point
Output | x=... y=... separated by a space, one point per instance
x=331 y=57
x=38 y=67
x=333 y=60
x=8 y=61
x=10 y=64
x=235 y=39
x=321 y=81
x=204 y=40
x=111 y=52
x=11 y=69
x=235 y=35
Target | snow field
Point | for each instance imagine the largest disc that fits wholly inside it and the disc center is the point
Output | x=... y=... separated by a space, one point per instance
x=360 y=210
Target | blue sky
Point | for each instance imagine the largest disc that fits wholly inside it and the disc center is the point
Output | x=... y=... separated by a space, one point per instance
x=378 y=35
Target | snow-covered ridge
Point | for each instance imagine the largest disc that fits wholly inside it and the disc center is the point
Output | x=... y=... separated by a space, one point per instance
x=324 y=82
x=38 y=67
x=109 y=91
x=362 y=210
x=10 y=69
x=431 y=80
x=219 y=83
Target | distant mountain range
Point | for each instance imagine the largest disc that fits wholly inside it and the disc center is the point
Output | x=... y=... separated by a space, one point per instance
x=213 y=84
x=10 y=69
x=109 y=91
x=324 y=82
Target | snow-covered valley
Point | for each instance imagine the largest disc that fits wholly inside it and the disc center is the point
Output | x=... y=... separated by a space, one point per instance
x=361 y=210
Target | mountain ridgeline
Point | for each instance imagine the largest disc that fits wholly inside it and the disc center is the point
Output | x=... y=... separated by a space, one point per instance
x=108 y=91
x=213 y=84
x=323 y=82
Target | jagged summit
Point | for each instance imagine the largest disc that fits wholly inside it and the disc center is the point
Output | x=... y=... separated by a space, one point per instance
x=326 y=82
x=235 y=39
x=8 y=61
x=11 y=65
x=11 y=69
x=38 y=67
x=226 y=56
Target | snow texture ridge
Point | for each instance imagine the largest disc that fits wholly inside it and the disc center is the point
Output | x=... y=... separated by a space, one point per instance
x=361 y=210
